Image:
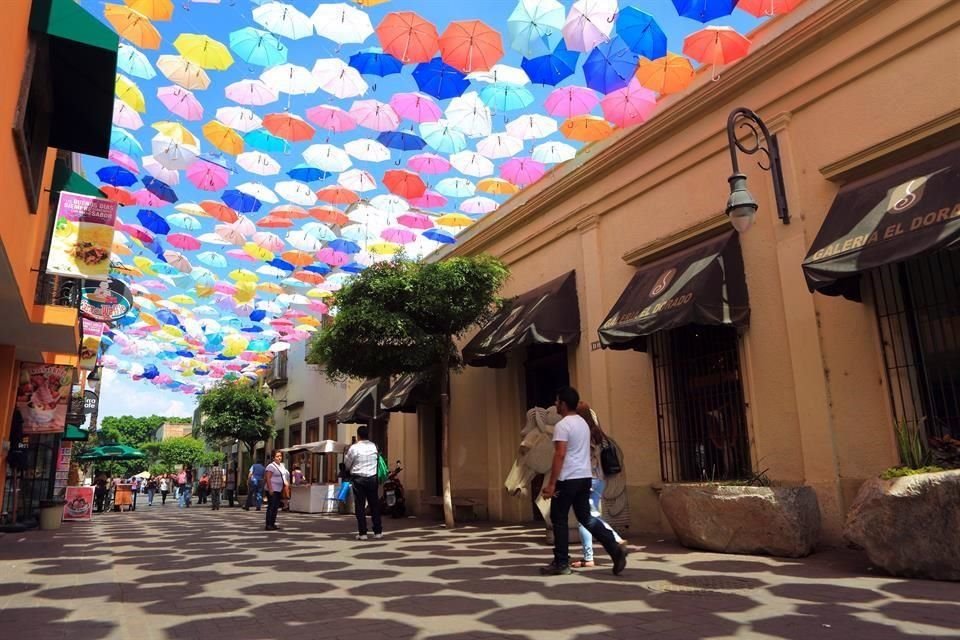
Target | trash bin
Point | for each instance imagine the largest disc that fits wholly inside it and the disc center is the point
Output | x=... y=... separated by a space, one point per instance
x=50 y=515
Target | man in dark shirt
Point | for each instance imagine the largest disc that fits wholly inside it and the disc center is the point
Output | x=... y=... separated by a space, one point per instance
x=255 y=486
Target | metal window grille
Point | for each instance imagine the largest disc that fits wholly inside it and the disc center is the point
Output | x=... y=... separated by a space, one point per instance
x=701 y=416
x=917 y=306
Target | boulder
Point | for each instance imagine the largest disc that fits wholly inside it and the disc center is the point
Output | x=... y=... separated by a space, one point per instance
x=908 y=526
x=777 y=521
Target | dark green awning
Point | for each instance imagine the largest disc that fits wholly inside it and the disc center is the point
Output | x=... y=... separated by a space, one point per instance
x=82 y=70
x=73 y=433
x=66 y=179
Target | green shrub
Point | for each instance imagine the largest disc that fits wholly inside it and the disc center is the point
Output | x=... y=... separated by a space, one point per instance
x=901 y=472
x=911 y=445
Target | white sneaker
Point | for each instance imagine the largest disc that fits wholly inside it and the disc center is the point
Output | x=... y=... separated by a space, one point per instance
x=377 y=536
x=362 y=537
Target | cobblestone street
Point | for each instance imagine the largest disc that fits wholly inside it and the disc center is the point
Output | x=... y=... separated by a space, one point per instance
x=167 y=573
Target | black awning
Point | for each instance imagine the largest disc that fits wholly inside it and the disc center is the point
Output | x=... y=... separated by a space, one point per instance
x=703 y=284
x=362 y=405
x=908 y=211
x=406 y=393
x=549 y=314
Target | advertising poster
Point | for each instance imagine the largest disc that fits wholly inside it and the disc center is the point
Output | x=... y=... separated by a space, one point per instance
x=82 y=237
x=63 y=466
x=90 y=346
x=79 y=504
x=105 y=301
x=43 y=396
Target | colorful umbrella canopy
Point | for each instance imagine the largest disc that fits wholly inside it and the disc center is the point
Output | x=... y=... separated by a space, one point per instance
x=283 y=20
x=203 y=50
x=341 y=23
x=641 y=33
x=179 y=70
x=716 y=46
x=408 y=37
x=439 y=79
x=534 y=27
x=762 y=8
x=666 y=75
x=132 y=61
x=132 y=26
x=589 y=23
x=704 y=10
x=552 y=67
x=258 y=47
x=586 y=128
x=470 y=45
x=610 y=66
x=628 y=106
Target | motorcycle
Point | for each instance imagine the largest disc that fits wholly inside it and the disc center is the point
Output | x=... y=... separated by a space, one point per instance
x=392 y=502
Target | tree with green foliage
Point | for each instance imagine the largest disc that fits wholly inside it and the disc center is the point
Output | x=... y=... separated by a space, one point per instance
x=402 y=317
x=134 y=430
x=236 y=410
x=165 y=456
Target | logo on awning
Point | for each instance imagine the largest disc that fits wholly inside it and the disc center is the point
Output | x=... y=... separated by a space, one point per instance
x=663 y=282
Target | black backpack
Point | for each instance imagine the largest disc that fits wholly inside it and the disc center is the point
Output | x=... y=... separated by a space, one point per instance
x=609 y=460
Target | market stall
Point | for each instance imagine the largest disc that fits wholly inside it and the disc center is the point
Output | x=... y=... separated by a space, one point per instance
x=318 y=497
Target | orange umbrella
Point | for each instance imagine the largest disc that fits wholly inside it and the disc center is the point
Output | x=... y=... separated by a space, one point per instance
x=271 y=222
x=132 y=25
x=716 y=46
x=764 y=8
x=586 y=128
x=289 y=211
x=497 y=186
x=309 y=277
x=337 y=195
x=223 y=137
x=220 y=211
x=288 y=126
x=153 y=9
x=408 y=37
x=330 y=215
x=298 y=258
x=403 y=183
x=119 y=195
x=470 y=45
x=666 y=75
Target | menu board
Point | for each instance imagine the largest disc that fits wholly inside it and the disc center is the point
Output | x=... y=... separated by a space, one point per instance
x=63 y=467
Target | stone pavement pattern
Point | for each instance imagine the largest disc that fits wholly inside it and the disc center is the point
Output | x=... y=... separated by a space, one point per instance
x=172 y=574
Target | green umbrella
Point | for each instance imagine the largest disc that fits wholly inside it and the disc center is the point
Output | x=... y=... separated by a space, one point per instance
x=111 y=452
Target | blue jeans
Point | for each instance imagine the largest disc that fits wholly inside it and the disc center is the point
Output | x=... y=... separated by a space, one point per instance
x=185 y=492
x=575 y=493
x=586 y=538
x=150 y=494
x=254 y=495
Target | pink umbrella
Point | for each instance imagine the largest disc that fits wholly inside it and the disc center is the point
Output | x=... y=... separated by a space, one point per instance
x=429 y=200
x=416 y=106
x=716 y=46
x=628 y=106
x=398 y=235
x=224 y=287
x=138 y=232
x=240 y=254
x=183 y=241
x=126 y=116
x=230 y=233
x=319 y=307
x=414 y=220
x=269 y=241
x=428 y=163
x=331 y=118
x=208 y=176
x=333 y=257
x=155 y=285
x=478 y=204
x=571 y=101
x=147 y=199
x=125 y=161
x=251 y=93
x=180 y=102
x=522 y=171
x=375 y=115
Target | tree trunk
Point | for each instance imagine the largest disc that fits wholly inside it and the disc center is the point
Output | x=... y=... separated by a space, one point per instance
x=445 y=461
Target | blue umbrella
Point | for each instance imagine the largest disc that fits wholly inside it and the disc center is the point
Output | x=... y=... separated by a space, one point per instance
x=503 y=96
x=116 y=176
x=374 y=62
x=440 y=80
x=263 y=140
x=257 y=47
x=641 y=33
x=252 y=329
x=123 y=140
x=402 y=141
x=553 y=67
x=240 y=202
x=160 y=189
x=353 y=267
x=157 y=249
x=322 y=269
x=438 y=235
x=306 y=173
x=167 y=317
x=610 y=66
x=346 y=246
x=704 y=10
x=185 y=353
x=150 y=372
x=281 y=264
x=153 y=221
x=257 y=315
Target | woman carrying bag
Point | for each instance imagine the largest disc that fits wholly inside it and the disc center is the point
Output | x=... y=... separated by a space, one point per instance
x=277 y=483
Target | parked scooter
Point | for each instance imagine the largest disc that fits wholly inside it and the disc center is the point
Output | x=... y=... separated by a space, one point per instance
x=392 y=502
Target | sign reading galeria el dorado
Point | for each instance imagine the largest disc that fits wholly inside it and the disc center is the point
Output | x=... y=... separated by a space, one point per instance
x=82 y=237
x=43 y=396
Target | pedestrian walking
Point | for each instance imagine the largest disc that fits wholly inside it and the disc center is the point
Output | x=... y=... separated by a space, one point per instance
x=134 y=489
x=100 y=493
x=215 y=487
x=361 y=463
x=255 y=486
x=185 y=479
x=203 y=488
x=151 y=490
x=569 y=486
x=164 y=489
x=231 y=485
x=277 y=483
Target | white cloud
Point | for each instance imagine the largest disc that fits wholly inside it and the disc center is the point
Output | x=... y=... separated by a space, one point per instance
x=122 y=396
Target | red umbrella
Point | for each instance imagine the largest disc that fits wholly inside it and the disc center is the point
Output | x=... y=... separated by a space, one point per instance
x=716 y=46
x=119 y=195
x=288 y=126
x=273 y=222
x=763 y=8
x=470 y=45
x=403 y=183
x=183 y=241
x=330 y=215
x=408 y=37
x=337 y=195
x=220 y=211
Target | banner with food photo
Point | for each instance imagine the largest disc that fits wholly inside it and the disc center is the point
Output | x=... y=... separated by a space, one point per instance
x=79 y=504
x=90 y=346
x=43 y=396
x=82 y=237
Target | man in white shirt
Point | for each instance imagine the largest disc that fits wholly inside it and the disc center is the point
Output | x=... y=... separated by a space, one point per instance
x=569 y=486
x=361 y=464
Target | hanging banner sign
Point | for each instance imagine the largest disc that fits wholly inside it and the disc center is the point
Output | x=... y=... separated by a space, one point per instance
x=105 y=301
x=79 y=506
x=90 y=402
x=43 y=396
x=90 y=345
x=82 y=237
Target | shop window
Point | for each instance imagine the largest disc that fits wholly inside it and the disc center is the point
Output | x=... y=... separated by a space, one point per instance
x=701 y=417
x=31 y=125
x=546 y=372
x=918 y=310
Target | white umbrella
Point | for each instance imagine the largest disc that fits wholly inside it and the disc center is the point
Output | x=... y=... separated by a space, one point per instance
x=152 y=166
x=239 y=119
x=134 y=62
x=471 y=163
x=533 y=28
x=456 y=187
x=291 y=79
x=319 y=231
x=296 y=192
x=279 y=346
x=365 y=214
x=284 y=20
x=470 y=115
x=259 y=163
x=341 y=23
x=357 y=180
x=327 y=157
x=390 y=203
x=375 y=115
x=251 y=92
x=367 y=150
x=172 y=154
x=532 y=126
x=178 y=261
x=245 y=226
x=293 y=298
x=500 y=145
x=361 y=233
x=589 y=23
x=478 y=204
x=259 y=191
x=501 y=73
x=212 y=238
x=334 y=76
x=551 y=152
x=304 y=241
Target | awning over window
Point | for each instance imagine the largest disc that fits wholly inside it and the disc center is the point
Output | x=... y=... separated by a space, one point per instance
x=83 y=65
x=66 y=179
x=703 y=284
x=908 y=211
x=406 y=393
x=549 y=314
x=73 y=433
x=362 y=405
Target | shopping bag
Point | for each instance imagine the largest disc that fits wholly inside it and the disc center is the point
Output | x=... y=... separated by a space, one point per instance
x=344 y=492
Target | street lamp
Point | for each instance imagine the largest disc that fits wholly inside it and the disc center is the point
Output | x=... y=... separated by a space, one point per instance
x=741 y=205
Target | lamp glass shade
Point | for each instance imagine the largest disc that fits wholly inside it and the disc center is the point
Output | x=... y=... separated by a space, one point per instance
x=741 y=205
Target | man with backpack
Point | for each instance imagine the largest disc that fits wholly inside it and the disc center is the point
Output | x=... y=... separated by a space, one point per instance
x=362 y=464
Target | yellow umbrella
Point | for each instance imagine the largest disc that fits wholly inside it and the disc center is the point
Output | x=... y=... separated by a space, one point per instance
x=204 y=50
x=121 y=249
x=143 y=262
x=176 y=131
x=127 y=90
x=305 y=327
x=384 y=248
x=319 y=293
x=370 y=3
x=245 y=291
x=257 y=252
x=172 y=331
x=454 y=220
x=586 y=128
x=149 y=319
x=181 y=298
x=223 y=137
x=243 y=275
x=153 y=9
x=497 y=186
x=125 y=269
x=133 y=26
x=666 y=75
x=190 y=207
x=270 y=287
x=313 y=322
x=204 y=291
x=181 y=71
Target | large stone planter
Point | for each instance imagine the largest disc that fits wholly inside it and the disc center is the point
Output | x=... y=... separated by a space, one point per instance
x=909 y=525
x=777 y=521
